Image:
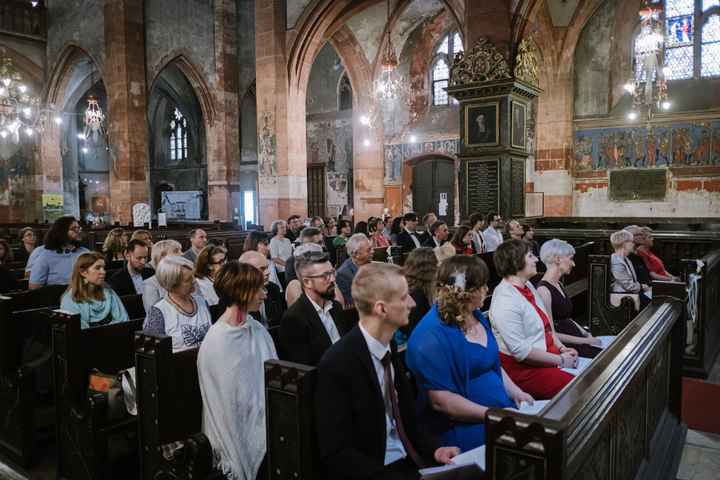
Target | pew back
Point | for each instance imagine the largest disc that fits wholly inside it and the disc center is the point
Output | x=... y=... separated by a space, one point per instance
x=619 y=419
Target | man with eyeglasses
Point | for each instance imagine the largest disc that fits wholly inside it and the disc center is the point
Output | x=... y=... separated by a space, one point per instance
x=273 y=307
x=55 y=261
x=314 y=321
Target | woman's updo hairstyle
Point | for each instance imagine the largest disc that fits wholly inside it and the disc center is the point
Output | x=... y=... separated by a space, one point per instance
x=458 y=278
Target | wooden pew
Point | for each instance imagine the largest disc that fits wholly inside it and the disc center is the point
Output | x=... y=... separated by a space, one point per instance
x=170 y=410
x=619 y=419
x=703 y=319
x=604 y=318
x=90 y=445
x=24 y=365
x=134 y=306
x=292 y=451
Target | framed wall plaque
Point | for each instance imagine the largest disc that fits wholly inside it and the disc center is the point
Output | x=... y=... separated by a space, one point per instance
x=482 y=124
x=518 y=134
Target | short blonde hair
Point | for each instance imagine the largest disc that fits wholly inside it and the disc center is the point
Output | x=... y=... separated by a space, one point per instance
x=375 y=282
x=164 y=248
x=555 y=248
x=619 y=238
x=170 y=271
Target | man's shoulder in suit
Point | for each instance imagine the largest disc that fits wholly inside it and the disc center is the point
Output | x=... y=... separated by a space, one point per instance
x=340 y=354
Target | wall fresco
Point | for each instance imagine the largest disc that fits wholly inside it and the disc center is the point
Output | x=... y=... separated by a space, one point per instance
x=396 y=154
x=677 y=145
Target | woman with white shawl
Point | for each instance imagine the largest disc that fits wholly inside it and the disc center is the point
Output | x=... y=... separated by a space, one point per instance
x=230 y=366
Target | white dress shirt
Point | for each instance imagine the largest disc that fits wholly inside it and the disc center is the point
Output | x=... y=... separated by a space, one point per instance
x=394 y=449
x=326 y=319
x=493 y=239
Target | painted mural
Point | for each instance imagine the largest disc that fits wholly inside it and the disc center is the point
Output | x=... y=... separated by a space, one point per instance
x=267 y=150
x=677 y=145
x=15 y=174
x=396 y=154
x=330 y=142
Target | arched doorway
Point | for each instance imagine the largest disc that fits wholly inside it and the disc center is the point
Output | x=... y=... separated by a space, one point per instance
x=430 y=180
x=177 y=144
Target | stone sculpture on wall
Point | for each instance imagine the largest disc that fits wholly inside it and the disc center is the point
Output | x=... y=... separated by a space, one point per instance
x=681 y=145
x=267 y=150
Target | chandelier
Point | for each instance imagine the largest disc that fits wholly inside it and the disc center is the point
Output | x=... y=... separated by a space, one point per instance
x=389 y=84
x=20 y=111
x=93 y=120
x=649 y=87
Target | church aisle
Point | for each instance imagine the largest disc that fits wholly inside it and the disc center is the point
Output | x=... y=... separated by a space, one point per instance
x=701 y=457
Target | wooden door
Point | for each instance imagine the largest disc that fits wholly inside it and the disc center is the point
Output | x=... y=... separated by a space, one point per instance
x=433 y=188
x=316 y=190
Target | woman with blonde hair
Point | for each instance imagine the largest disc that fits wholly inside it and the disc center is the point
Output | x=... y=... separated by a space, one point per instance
x=181 y=313
x=419 y=269
x=88 y=295
x=113 y=247
x=152 y=290
x=455 y=357
x=230 y=369
x=209 y=261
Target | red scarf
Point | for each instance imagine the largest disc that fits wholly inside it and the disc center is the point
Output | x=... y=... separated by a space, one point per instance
x=549 y=341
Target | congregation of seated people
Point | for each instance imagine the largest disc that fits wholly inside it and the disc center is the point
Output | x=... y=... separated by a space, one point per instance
x=362 y=323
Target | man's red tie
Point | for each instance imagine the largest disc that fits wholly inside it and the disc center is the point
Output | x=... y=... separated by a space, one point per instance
x=390 y=390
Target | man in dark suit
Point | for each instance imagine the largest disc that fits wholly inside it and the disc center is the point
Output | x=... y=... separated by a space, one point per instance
x=273 y=307
x=129 y=280
x=438 y=235
x=314 y=321
x=364 y=404
x=408 y=238
x=360 y=251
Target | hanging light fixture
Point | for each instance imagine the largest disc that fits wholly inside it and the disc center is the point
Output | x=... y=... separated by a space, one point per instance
x=649 y=86
x=93 y=118
x=20 y=111
x=389 y=84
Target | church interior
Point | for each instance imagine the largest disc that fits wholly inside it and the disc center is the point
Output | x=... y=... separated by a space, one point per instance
x=537 y=177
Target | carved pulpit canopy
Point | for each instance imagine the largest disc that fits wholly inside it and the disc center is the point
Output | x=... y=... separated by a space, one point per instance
x=483 y=63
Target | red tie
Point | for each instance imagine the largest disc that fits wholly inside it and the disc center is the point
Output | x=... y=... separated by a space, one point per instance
x=390 y=390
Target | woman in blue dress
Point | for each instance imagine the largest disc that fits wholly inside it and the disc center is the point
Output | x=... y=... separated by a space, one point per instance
x=455 y=358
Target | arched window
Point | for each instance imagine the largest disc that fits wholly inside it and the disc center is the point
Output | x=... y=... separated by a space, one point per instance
x=178 y=136
x=440 y=73
x=688 y=55
x=345 y=93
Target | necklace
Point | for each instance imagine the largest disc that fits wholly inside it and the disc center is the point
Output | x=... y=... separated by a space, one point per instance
x=181 y=308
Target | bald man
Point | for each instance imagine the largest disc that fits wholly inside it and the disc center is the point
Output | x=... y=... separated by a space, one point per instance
x=351 y=418
x=272 y=309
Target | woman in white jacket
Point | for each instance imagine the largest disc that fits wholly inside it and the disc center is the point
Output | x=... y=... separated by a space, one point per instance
x=530 y=351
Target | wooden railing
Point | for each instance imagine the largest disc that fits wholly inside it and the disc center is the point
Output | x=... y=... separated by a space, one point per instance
x=20 y=17
x=619 y=419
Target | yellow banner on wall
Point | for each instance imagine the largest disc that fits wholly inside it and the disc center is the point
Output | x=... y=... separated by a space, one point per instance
x=52 y=205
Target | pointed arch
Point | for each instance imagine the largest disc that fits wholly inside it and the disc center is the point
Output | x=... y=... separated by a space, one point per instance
x=194 y=75
x=70 y=57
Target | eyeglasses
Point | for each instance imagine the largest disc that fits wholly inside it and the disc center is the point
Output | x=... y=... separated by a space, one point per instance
x=76 y=228
x=325 y=275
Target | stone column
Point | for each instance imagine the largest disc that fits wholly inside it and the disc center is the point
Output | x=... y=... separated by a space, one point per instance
x=127 y=106
x=223 y=134
x=282 y=162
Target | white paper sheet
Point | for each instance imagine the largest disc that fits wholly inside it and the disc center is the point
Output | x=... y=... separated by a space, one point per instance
x=582 y=364
x=528 y=409
x=606 y=340
x=476 y=456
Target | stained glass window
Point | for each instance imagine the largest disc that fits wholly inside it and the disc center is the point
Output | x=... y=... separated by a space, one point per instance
x=178 y=136
x=674 y=8
x=679 y=63
x=711 y=47
x=446 y=50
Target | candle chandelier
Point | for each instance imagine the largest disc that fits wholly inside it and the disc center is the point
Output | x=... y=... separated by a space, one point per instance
x=649 y=86
x=389 y=83
x=20 y=112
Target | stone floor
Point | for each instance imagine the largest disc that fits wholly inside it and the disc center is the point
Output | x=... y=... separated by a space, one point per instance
x=701 y=457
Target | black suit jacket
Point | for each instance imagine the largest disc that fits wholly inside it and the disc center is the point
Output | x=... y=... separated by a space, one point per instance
x=405 y=241
x=303 y=338
x=275 y=306
x=641 y=270
x=123 y=284
x=350 y=412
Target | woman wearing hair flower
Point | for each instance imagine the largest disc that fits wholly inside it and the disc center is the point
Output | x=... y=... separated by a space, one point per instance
x=455 y=357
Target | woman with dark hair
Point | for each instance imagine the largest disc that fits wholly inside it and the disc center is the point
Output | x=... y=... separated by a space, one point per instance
x=89 y=296
x=377 y=237
x=361 y=227
x=259 y=242
x=208 y=263
x=28 y=242
x=530 y=351
x=330 y=229
x=230 y=369
x=395 y=229
x=54 y=263
x=344 y=232
x=6 y=253
x=454 y=356
x=462 y=241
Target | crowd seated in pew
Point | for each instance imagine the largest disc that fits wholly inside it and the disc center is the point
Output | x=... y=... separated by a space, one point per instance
x=624 y=278
x=273 y=306
x=129 y=278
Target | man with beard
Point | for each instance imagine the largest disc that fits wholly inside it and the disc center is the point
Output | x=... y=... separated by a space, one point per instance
x=314 y=322
x=273 y=306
